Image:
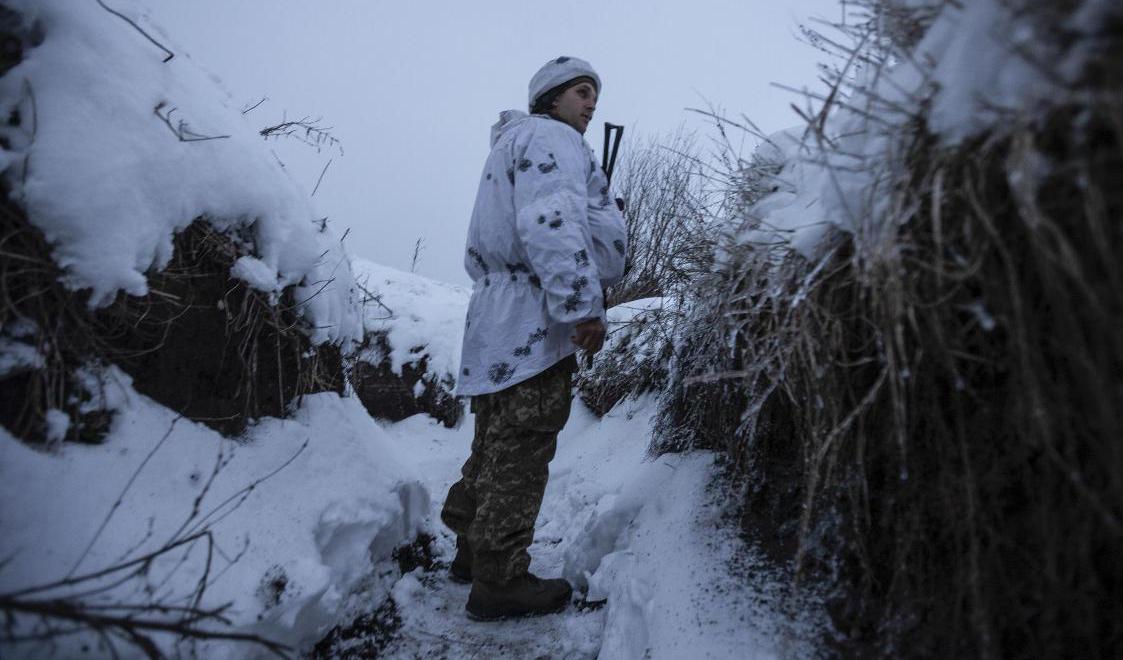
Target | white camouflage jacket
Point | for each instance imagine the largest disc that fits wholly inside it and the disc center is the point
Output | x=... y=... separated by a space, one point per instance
x=545 y=236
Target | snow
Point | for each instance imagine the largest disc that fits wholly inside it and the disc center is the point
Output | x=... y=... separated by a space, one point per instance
x=422 y=317
x=637 y=328
x=58 y=423
x=977 y=65
x=977 y=73
x=805 y=200
x=18 y=356
x=256 y=273
x=107 y=180
x=648 y=535
x=644 y=532
x=116 y=151
x=345 y=500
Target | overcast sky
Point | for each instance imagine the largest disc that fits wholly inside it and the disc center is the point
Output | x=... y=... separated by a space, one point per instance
x=412 y=88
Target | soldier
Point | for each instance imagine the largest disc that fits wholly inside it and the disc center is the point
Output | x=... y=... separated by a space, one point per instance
x=544 y=238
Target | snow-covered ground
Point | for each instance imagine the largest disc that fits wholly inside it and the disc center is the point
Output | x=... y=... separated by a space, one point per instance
x=313 y=541
x=288 y=548
x=289 y=529
x=646 y=534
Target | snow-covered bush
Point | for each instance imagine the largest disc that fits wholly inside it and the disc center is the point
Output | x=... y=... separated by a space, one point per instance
x=670 y=216
x=148 y=226
x=667 y=217
x=914 y=347
x=635 y=355
x=411 y=350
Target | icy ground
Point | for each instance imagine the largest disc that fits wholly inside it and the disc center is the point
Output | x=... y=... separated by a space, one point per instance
x=647 y=532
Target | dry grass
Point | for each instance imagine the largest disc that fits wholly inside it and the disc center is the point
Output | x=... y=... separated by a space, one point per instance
x=201 y=343
x=931 y=425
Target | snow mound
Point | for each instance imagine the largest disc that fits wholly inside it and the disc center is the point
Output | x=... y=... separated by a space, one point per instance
x=422 y=318
x=673 y=571
x=289 y=548
x=411 y=351
x=114 y=150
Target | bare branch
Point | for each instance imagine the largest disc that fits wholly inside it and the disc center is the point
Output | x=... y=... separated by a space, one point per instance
x=136 y=27
x=321 y=177
x=253 y=107
x=181 y=130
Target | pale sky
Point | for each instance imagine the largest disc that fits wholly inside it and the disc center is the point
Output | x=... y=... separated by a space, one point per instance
x=412 y=88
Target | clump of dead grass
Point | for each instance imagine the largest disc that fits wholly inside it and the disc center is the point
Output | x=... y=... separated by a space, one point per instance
x=201 y=343
x=930 y=429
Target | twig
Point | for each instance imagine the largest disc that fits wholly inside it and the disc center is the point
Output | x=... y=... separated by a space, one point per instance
x=138 y=29
x=254 y=106
x=321 y=177
x=121 y=497
x=181 y=131
x=244 y=492
x=418 y=246
x=132 y=626
x=70 y=580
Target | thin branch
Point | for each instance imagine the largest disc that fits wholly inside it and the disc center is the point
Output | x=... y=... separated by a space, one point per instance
x=69 y=581
x=255 y=105
x=121 y=497
x=180 y=130
x=138 y=29
x=132 y=626
x=321 y=177
x=244 y=492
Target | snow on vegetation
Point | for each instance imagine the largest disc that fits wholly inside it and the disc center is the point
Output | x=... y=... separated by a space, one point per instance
x=975 y=65
x=884 y=326
x=300 y=512
x=635 y=355
x=118 y=150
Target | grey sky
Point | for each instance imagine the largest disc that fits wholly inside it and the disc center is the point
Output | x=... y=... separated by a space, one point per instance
x=412 y=88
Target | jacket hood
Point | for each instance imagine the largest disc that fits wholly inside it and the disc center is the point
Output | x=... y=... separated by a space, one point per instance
x=508 y=119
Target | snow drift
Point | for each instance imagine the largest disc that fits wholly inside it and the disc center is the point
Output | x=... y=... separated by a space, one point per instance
x=411 y=350
x=296 y=516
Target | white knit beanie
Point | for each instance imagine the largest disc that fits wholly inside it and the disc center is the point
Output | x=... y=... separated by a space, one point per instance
x=559 y=71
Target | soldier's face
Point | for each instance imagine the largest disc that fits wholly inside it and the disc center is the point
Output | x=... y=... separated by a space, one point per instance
x=576 y=106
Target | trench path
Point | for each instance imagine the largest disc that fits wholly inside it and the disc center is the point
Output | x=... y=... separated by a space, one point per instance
x=431 y=606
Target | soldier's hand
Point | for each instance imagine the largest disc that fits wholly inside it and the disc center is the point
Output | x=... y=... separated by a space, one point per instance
x=589 y=335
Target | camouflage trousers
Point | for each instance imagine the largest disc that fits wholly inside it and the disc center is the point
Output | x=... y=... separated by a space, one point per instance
x=496 y=501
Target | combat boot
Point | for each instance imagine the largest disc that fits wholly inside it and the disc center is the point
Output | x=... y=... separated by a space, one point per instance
x=527 y=595
x=461 y=568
